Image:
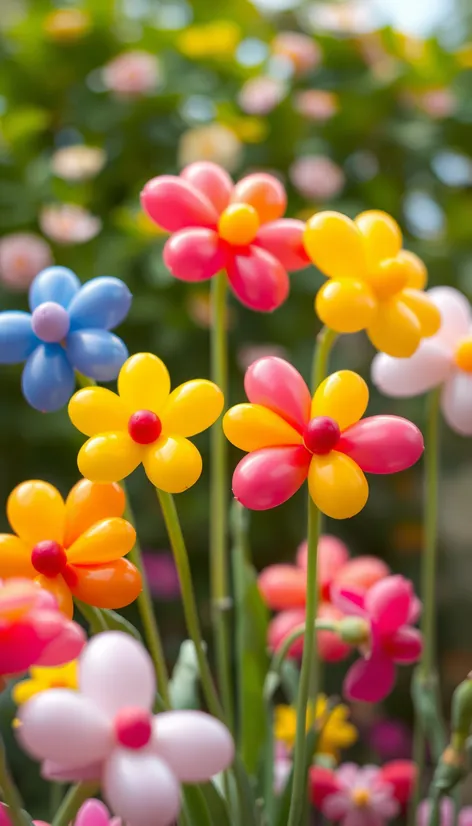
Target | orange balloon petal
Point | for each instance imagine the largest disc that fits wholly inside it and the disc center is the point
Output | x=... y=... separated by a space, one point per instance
x=113 y=585
x=58 y=587
x=105 y=541
x=90 y=502
x=263 y=192
x=15 y=558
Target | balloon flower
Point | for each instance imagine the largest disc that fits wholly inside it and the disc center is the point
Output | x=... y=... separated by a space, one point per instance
x=442 y=361
x=32 y=629
x=373 y=284
x=42 y=679
x=283 y=588
x=337 y=732
x=68 y=329
x=145 y=423
x=291 y=438
x=107 y=730
x=72 y=548
x=217 y=225
x=388 y=609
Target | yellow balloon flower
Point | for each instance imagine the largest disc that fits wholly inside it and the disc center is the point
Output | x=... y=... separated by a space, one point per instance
x=145 y=423
x=374 y=284
x=42 y=679
x=338 y=733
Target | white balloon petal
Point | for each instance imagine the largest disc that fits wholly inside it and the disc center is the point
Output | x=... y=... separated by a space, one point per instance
x=456 y=316
x=116 y=671
x=64 y=727
x=194 y=745
x=402 y=378
x=140 y=788
x=456 y=403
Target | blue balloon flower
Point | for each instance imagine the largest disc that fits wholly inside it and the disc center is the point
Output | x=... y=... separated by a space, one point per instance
x=68 y=329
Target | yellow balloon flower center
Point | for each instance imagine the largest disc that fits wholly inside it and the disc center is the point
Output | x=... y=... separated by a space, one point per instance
x=463 y=355
x=361 y=798
x=49 y=558
x=238 y=224
x=321 y=435
x=144 y=427
x=389 y=278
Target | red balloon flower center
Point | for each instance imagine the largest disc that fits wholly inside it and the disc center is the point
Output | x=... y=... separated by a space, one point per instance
x=144 y=427
x=49 y=558
x=133 y=727
x=321 y=435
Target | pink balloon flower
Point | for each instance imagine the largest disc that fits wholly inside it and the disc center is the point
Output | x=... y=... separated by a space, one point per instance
x=32 y=629
x=217 y=225
x=354 y=795
x=107 y=731
x=291 y=438
x=91 y=813
x=447 y=814
x=389 y=608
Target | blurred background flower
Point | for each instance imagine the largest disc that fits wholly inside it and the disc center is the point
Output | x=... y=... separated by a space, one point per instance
x=132 y=74
x=161 y=574
x=69 y=224
x=22 y=256
x=78 y=163
x=215 y=142
x=316 y=177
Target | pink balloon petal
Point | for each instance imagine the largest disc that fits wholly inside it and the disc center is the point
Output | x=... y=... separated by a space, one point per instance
x=349 y=601
x=258 y=279
x=323 y=783
x=194 y=745
x=20 y=647
x=281 y=626
x=382 y=444
x=455 y=312
x=370 y=680
x=175 y=204
x=74 y=774
x=405 y=646
x=65 y=647
x=403 y=378
x=92 y=813
x=456 y=402
x=282 y=586
x=267 y=478
x=274 y=383
x=388 y=603
x=416 y=608
x=212 y=181
x=194 y=254
x=141 y=788
x=284 y=240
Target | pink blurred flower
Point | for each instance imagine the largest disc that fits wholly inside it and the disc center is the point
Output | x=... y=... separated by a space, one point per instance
x=316 y=104
x=259 y=95
x=95 y=813
x=390 y=739
x=5 y=819
x=438 y=103
x=161 y=574
x=317 y=177
x=22 y=256
x=300 y=49
x=132 y=74
x=361 y=799
x=447 y=814
x=389 y=607
x=78 y=163
x=282 y=767
x=69 y=224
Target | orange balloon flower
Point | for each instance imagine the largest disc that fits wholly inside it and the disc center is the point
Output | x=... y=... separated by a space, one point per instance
x=72 y=548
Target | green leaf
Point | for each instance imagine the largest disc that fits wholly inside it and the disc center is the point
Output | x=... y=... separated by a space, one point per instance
x=115 y=622
x=285 y=799
x=216 y=804
x=183 y=686
x=195 y=807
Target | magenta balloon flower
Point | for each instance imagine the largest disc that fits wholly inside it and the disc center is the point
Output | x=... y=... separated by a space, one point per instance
x=217 y=225
x=389 y=609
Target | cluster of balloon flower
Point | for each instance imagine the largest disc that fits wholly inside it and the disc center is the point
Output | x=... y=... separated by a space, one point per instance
x=96 y=711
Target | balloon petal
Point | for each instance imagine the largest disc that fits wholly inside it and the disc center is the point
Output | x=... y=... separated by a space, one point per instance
x=405 y=646
x=137 y=783
x=346 y=305
x=105 y=541
x=267 y=478
x=428 y=315
x=97 y=354
x=395 y=330
x=370 y=681
x=93 y=813
x=102 y=303
x=272 y=382
x=95 y=410
x=263 y=192
x=65 y=647
x=331 y=647
x=281 y=626
x=48 y=380
x=349 y=600
x=382 y=444
x=402 y=378
x=192 y=407
x=361 y=572
x=175 y=204
x=60 y=591
x=36 y=511
x=194 y=745
x=343 y=396
x=283 y=239
x=58 y=284
x=388 y=603
x=381 y=234
x=456 y=402
x=71 y=774
x=337 y=485
x=456 y=316
x=173 y=464
x=282 y=587
x=144 y=383
x=417 y=274
x=335 y=245
x=258 y=279
x=212 y=181
x=115 y=672
x=109 y=457
x=194 y=254
x=109 y=585
x=15 y=558
x=88 y=503
x=17 y=340
x=252 y=427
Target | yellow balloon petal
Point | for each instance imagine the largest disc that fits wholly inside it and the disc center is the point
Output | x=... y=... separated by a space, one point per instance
x=15 y=558
x=346 y=305
x=417 y=274
x=252 y=427
x=192 y=407
x=396 y=329
x=382 y=236
x=109 y=457
x=23 y=691
x=335 y=245
x=173 y=464
x=106 y=541
x=337 y=485
x=144 y=383
x=343 y=396
x=95 y=410
x=60 y=590
x=425 y=311
x=36 y=511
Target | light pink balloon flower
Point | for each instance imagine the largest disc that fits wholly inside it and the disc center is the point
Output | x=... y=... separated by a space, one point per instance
x=444 y=359
x=389 y=607
x=447 y=814
x=217 y=225
x=107 y=731
x=358 y=796
x=91 y=813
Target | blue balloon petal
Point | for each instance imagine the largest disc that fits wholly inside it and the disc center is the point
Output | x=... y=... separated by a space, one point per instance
x=57 y=284
x=97 y=354
x=102 y=302
x=48 y=380
x=17 y=340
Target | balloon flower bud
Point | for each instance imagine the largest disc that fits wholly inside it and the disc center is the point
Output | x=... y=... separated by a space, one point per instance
x=450 y=770
x=461 y=714
x=353 y=630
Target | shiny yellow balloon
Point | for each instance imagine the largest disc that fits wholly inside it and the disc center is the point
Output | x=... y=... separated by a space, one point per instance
x=192 y=408
x=396 y=329
x=425 y=311
x=335 y=245
x=253 y=426
x=382 y=236
x=343 y=396
x=36 y=511
x=173 y=464
x=346 y=305
x=337 y=485
x=144 y=383
x=109 y=457
x=95 y=410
